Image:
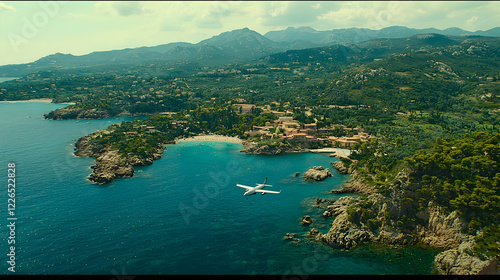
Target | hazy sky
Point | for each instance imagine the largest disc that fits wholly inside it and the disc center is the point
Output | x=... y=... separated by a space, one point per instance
x=31 y=30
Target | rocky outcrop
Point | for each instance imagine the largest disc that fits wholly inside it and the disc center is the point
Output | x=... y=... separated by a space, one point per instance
x=110 y=165
x=355 y=185
x=458 y=262
x=306 y=220
x=76 y=113
x=344 y=233
x=317 y=173
x=322 y=203
x=313 y=233
x=441 y=229
x=340 y=167
x=255 y=148
x=444 y=231
x=292 y=237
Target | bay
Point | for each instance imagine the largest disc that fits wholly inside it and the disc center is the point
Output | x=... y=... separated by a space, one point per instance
x=181 y=215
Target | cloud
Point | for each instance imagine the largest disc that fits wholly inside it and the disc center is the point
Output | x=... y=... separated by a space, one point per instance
x=6 y=8
x=472 y=21
x=317 y=6
x=217 y=13
x=373 y=15
x=122 y=8
x=292 y=13
x=413 y=14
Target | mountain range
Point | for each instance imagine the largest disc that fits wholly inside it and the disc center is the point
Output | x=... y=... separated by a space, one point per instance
x=232 y=46
x=356 y=35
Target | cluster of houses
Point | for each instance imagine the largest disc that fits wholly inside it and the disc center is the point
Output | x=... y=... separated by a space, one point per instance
x=285 y=127
x=142 y=127
x=290 y=129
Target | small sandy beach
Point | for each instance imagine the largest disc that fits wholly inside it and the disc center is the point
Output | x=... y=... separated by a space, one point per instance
x=41 y=100
x=336 y=152
x=218 y=138
x=44 y=100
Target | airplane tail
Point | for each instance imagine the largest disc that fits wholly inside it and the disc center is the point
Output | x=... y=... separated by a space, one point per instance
x=265 y=181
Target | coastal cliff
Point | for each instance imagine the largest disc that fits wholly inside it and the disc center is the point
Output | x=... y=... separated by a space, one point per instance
x=110 y=165
x=356 y=184
x=374 y=218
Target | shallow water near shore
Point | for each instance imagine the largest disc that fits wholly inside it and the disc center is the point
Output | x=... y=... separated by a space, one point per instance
x=181 y=215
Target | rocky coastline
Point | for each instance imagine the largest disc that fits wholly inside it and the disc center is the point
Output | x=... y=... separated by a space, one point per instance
x=348 y=229
x=254 y=148
x=110 y=165
x=439 y=229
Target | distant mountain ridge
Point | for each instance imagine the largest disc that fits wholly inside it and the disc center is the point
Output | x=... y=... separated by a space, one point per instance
x=232 y=46
x=356 y=35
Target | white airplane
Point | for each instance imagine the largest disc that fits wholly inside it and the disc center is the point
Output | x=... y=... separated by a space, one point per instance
x=258 y=188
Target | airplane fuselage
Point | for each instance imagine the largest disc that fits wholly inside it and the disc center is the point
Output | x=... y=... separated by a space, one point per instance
x=259 y=188
x=252 y=190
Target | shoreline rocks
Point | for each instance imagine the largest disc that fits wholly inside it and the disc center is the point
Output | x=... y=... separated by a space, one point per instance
x=355 y=185
x=342 y=169
x=440 y=229
x=253 y=148
x=110 y=165
x=458 y=262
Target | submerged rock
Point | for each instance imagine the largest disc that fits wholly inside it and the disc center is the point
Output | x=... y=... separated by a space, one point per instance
x=292 y=238
x=314 y=233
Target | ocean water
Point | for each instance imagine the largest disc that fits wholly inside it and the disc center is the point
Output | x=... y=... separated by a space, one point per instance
x=181 y=215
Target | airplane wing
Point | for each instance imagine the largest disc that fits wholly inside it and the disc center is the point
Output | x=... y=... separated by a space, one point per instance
x=243 y=186
x=266 y=191
x=258 y=185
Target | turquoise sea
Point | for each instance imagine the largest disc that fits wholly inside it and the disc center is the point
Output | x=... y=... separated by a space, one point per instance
x=181 y=215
